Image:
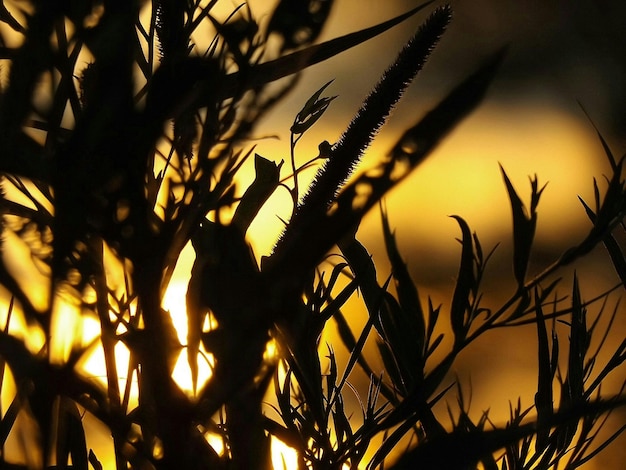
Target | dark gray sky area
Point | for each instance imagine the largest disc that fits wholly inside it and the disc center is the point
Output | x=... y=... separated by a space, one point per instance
x=571 y=49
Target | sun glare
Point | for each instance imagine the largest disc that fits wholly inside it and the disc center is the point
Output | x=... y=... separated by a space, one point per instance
x=283 y=456
x=21 y=265
x=66 y=325
x=93 y=366
x=174 y=302
x=182 y=373
x=216 y=441
x=462 y=176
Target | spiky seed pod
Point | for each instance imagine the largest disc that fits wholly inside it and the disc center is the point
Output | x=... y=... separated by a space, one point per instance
x=346 y=153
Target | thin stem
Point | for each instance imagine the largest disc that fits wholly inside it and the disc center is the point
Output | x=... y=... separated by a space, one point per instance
x=295 y=192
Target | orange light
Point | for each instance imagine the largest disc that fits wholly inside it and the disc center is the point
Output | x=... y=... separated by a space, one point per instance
x=283 y=456
x=65 y=325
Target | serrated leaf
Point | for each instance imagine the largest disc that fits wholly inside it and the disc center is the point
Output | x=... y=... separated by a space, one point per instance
x=316 y=113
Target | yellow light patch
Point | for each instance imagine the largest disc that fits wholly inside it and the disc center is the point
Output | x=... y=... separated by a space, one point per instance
x=182 y=373
x=19 y=262
x=271 y=351
x=216 y=441
x=283 y=456
x=93 y=366
x=65 y=325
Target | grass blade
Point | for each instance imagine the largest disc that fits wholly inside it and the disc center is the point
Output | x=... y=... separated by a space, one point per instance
x=543 y=397
x=612 y=247
x=71 y=436
x=464 y=283
x=297 y=61
x=524 y=225
x=408 y=296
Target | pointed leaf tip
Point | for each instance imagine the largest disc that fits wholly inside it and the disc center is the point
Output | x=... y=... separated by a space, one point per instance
x=464 y=283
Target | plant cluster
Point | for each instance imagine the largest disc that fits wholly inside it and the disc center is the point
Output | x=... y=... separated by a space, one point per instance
x=122 y=134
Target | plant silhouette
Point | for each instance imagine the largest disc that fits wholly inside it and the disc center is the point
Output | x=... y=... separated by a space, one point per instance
x=131 y=152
